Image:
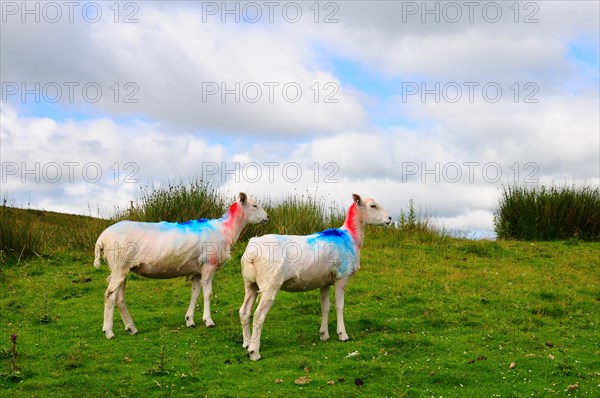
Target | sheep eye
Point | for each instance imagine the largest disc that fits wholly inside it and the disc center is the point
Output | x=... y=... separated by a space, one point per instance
x=255 y=206
x=373 y=206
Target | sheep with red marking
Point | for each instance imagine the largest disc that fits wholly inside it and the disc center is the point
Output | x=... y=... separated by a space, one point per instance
x=300 y=263
x=164 y=250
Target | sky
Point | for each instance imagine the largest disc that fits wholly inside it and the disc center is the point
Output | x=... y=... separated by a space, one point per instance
x=441 y=103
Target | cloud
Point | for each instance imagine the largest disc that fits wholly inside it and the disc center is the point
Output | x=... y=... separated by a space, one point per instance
x=79 y=163
x=558 y=133
x=240 y=79
x=404 y=40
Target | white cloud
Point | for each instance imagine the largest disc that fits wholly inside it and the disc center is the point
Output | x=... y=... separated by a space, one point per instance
x=559 y=133
x=81 y=162
x=240 y=79
x=386 y=37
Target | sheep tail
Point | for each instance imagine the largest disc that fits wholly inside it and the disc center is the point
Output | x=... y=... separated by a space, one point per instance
x=98 y=251
x=248 y=258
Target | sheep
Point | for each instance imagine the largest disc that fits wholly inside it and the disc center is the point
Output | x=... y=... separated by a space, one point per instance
x=301 y=263
x=195 y=248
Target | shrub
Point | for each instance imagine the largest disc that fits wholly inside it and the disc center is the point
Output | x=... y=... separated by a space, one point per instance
x=177 y=202
x=297 y=215
x=548 y=213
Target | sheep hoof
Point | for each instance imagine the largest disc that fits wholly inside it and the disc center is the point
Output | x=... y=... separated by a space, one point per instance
x=254 y=356
x=131 y=330
x=344 y=337
x=324 y=336
x=209 y=324
x=109 y=334
x=189 y=321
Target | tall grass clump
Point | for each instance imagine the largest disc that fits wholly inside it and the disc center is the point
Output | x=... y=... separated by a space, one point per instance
x=549 y=213
x=176 y=202
x=414 y=221
x=297 y=215
x=413 y=224
x=20 y=237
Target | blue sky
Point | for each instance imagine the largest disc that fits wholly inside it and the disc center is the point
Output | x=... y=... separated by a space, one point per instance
x=585 y=50
x=368 y=139
x=381 y=89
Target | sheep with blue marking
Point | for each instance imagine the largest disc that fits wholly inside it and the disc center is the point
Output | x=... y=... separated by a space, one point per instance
x=300 y=263
x=165 y=250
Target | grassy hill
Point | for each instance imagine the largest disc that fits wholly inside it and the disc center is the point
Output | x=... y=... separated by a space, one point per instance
x=428 y=315
x=28 y=232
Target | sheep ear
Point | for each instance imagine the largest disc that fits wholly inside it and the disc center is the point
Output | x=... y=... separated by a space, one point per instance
x=243 y=198
x=357 y=199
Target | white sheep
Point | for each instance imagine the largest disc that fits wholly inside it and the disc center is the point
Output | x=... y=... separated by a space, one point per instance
x=300 y=263
x=164 y=250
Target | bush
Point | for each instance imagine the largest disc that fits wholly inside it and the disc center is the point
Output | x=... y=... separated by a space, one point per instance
x=177 y=202
x=548 y=213
x=297 y=215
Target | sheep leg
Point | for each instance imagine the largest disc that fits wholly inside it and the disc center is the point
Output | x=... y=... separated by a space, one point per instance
x=129 y=326
x=340 y=285
x=115 y=283
x=266 y=301
x=325 y=305
x=207 y=274
x=189 y=315
x=251 y=291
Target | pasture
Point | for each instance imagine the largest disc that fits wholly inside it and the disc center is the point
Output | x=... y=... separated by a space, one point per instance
x=426 y=315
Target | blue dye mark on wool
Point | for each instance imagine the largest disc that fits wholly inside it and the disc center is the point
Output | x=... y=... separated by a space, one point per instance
x=195 y=226
x=336 y=245
x=194 y=222
x=333 y=232
x=200 y=225
x=334 y=235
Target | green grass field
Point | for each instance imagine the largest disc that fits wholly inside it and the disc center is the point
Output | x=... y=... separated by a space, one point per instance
x=436 y=317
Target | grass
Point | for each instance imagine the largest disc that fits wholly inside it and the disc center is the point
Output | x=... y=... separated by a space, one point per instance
x=428 y=315
x=27 y=233
x=300 y=214
x=549 y=213
x=19 y=239
x=176 y=202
